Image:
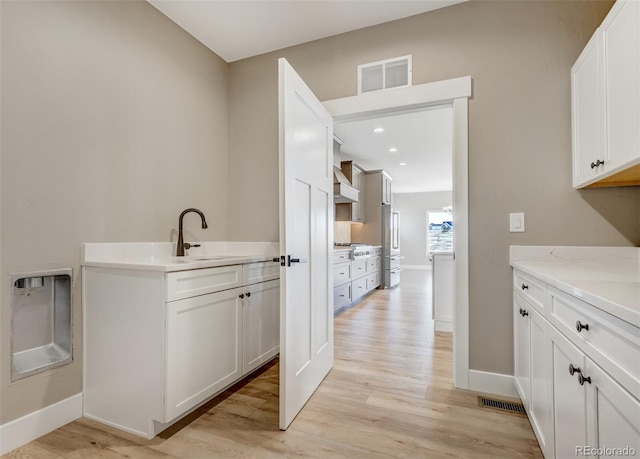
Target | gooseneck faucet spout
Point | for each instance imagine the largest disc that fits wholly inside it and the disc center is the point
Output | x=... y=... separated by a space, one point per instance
x=180 y=248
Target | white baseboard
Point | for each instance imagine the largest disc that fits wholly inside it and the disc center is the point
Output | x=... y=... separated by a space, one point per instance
x=443 y=326
x=420 y=267
x=34 y=425
x=492 y=383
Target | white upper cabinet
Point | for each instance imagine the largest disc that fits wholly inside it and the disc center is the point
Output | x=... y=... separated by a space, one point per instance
x=588 y=142
x=605 y=82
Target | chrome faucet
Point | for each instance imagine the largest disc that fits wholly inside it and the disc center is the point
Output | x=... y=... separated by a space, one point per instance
x=181 y=244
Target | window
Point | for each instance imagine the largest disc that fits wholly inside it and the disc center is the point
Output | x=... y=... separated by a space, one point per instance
x=439 y=231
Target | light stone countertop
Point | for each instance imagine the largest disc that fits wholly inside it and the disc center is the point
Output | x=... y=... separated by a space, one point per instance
x=153 y=256
x=605 y=277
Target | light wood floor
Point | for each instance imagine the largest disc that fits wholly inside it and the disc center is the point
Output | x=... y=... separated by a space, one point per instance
x=390 y=394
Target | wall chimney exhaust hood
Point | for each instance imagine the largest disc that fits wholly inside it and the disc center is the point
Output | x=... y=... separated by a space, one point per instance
x=343 y=192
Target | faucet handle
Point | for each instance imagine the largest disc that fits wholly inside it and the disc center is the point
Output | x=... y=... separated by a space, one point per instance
x=187 y=246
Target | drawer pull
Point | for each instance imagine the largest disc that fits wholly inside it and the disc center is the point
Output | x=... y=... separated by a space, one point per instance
x=584 y=379
x=524 y=313
x=525 y=287
x=573 y=369
x=580 y=326
x=341 y=296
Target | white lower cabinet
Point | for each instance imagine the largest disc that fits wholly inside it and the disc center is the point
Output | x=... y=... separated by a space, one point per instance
x=533 y=369
x=204 y=353
x=576 y=373
x=541 y=403
x=148 y=360
x=522 y=349
x=591 y=409
x=261 y=324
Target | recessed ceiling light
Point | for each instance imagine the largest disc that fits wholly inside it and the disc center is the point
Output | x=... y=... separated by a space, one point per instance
x=378 y=130
x=403 y=164
x=393 y=149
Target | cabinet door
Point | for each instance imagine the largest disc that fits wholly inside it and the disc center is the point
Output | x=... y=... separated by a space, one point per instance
x=204 y=340
x=261 y=319
x=570 y=409
x=522 y=344
x=541 y=395
x=587 y=115
x=621 y=51
x=613 y=414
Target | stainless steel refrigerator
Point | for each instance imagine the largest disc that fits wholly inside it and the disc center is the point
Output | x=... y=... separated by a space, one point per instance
x=391 y=257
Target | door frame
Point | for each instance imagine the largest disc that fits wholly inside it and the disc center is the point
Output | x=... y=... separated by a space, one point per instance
x=455 y=92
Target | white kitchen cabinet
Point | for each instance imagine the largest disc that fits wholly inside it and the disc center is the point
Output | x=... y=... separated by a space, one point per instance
x=261 y=324
x=522 y=349
x=620 y=38
x=541 y=396
x=605 y=83
x=591 y=408
x=570 y=408
x=157 y=345
x=533 y=368
x=577 y=371
x=204 y=353
x=352 y=279
x=587 y=114
x=613 y=415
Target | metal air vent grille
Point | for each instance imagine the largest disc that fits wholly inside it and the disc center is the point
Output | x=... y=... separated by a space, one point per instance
x=390 y=73
x=501 y=405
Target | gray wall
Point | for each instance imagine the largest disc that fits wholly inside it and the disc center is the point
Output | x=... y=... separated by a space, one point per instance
x=413 y=209
x=113 y=121
x=519 y=55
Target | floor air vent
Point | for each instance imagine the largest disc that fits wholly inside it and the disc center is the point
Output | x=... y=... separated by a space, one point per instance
x=501 y=405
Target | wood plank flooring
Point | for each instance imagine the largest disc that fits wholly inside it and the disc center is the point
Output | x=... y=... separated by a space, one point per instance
x=390 y=394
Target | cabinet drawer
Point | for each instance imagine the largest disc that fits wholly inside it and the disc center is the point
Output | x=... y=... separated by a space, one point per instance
x=533 y=290
x=185 y=284
x=339 y=257
x=607 y=338
x=358 y=288
x=341 y=273
x=373 y=264
x=263 y=271
x=341 y=296
x=358 y=269
x=373 y=280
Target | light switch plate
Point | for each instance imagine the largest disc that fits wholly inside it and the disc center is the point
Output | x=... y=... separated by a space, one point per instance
x=516 y=223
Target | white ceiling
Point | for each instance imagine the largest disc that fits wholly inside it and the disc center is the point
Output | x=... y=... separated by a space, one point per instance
x=424 y=141
x=236 y=29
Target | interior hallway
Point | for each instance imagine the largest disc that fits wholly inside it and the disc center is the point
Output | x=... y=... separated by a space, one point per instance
x=390 y=394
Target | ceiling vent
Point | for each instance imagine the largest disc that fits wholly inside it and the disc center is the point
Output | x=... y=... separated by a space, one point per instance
x=390 y=73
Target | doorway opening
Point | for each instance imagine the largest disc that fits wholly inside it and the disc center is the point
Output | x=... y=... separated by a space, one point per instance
x=405 y=100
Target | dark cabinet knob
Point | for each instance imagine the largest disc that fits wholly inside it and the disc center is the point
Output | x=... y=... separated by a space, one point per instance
x=248 y=294
x=580 y=326
x=525 y=287
x=524 y=313
x=241 y=295
x=583 y=379
x=573 y=369
x=597 y=163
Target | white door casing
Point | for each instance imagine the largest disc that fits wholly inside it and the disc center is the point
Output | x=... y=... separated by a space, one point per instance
x=456 y=92
x=306 y=234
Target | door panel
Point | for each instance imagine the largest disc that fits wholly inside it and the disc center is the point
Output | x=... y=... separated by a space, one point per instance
x=306 y=234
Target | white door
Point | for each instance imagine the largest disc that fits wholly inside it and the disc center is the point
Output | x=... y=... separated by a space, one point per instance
x=306 y=236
